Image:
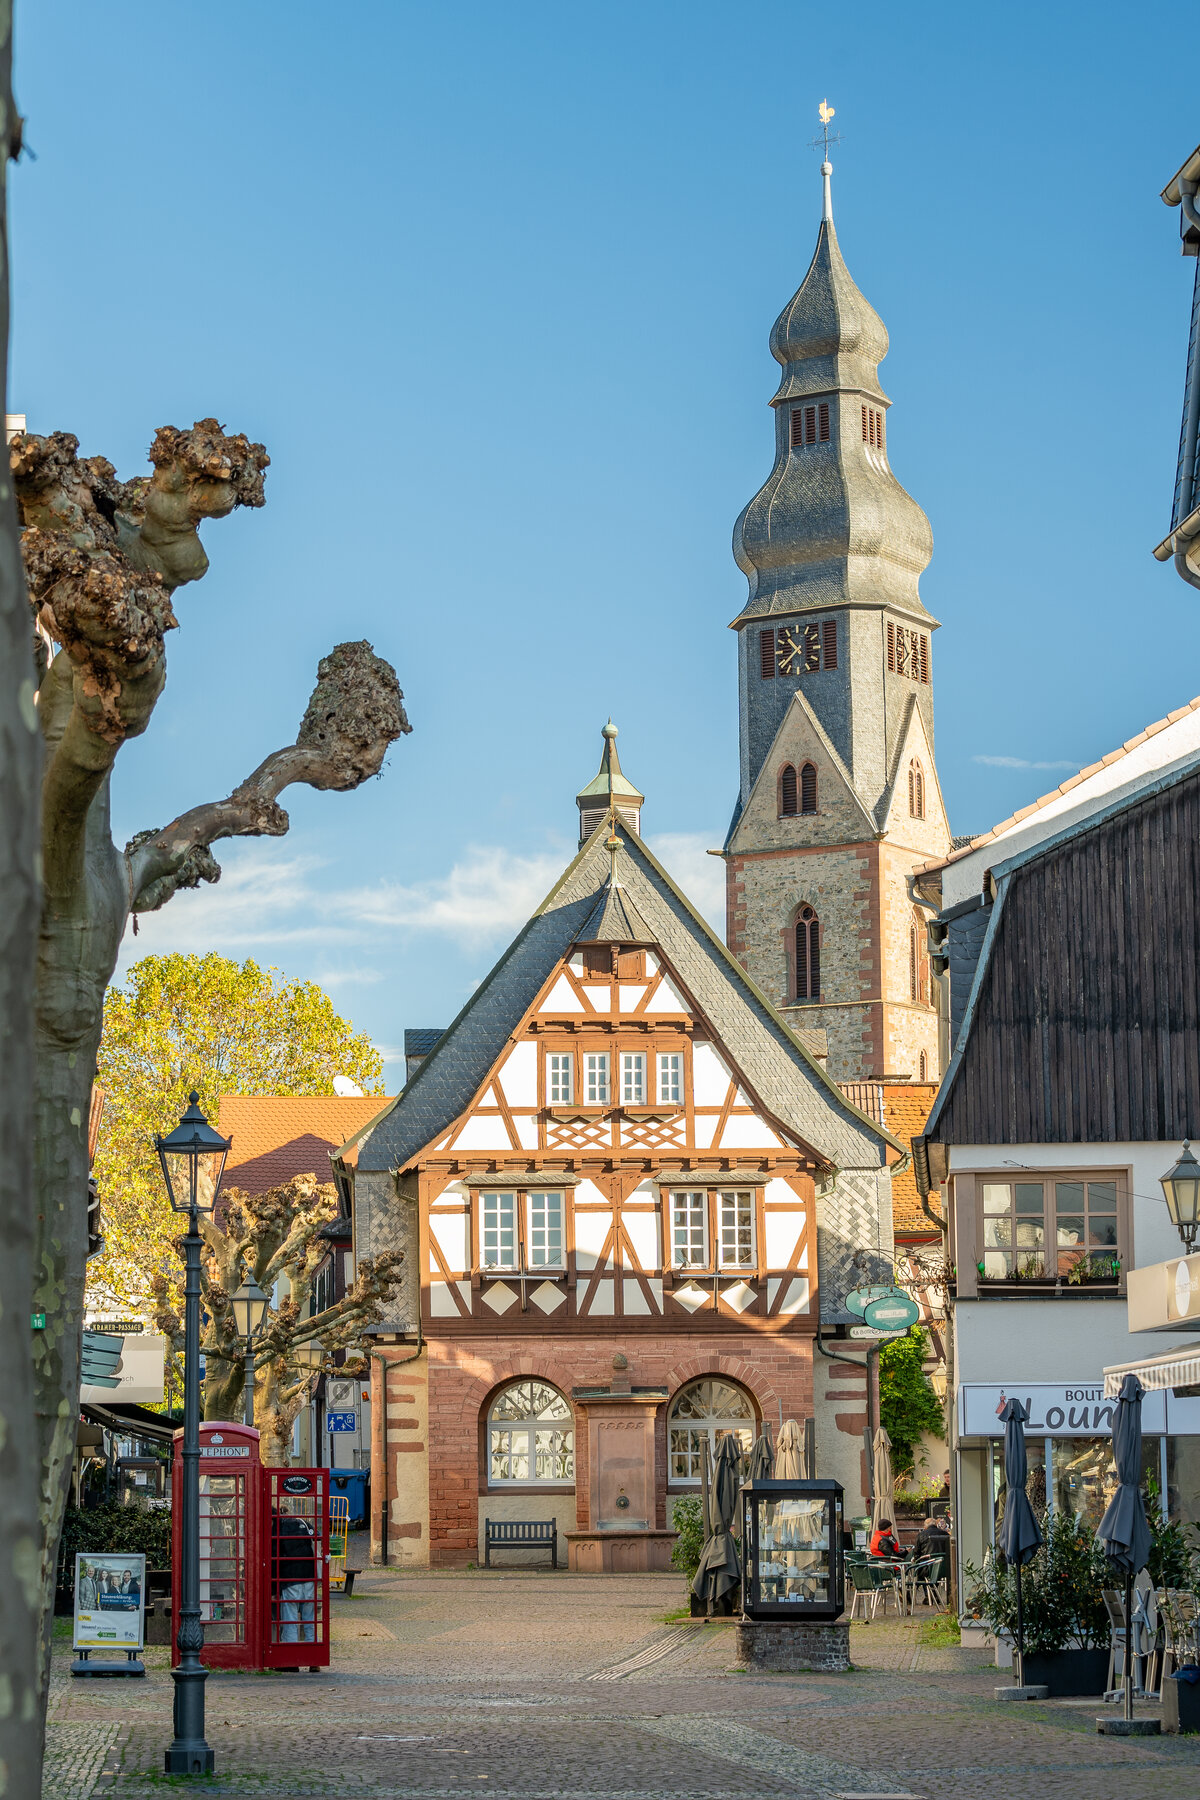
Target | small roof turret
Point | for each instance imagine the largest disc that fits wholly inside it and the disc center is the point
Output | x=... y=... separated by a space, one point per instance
x=608 y=790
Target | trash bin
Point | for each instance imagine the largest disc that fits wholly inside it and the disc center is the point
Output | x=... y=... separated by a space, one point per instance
x=352 y=1483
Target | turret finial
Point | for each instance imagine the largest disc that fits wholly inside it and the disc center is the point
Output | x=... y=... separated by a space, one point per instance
x=825 y=113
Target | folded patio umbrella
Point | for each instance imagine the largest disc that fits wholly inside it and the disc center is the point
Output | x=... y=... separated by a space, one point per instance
x=719 y=1571
x=1019 y=1534
x=882 y=1480
x=789 y=1453
x=1123 y=1531
x=762 y=1457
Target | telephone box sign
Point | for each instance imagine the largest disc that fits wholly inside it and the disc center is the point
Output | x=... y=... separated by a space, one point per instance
x=297 y=1484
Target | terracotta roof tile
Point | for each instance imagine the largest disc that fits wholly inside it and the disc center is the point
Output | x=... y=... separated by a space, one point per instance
x=278 y=1136
x=906 y=1107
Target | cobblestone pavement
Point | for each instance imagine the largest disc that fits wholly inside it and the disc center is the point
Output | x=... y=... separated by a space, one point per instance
x=530 y=1686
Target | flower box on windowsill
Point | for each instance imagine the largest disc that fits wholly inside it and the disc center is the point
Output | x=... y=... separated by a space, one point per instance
x=653 y=1112
x=1048 y=1287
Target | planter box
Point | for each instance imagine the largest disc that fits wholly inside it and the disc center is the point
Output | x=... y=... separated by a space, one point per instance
x=1068 y=1673
x=1180 y=1705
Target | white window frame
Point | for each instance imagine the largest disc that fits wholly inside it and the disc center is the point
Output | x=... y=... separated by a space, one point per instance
x=633 y=1078
x=560 y=1078
x=726 y=1224
x=537 y=1202
x=683 y=1231
x=670 y=1078
x=595 y=1076
x=518 y=1437
x=489 y=1200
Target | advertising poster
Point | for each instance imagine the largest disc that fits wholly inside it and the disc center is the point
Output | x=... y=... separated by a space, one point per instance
x=110 y=1606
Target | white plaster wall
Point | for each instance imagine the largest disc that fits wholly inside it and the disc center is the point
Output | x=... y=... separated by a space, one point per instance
x=710 y=1077
x=999 y=1339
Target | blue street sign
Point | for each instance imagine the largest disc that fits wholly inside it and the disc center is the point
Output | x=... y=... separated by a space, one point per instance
x=341 y=1421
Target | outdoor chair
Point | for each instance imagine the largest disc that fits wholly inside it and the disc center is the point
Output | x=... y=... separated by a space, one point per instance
x=1180 y=1615
x=928 y=1575
x=868 y=1588
x=1120 y=1641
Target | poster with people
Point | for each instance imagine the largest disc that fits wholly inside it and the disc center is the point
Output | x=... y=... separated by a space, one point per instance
x=110 y=1606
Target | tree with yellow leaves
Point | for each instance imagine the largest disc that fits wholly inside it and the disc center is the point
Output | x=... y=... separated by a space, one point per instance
x=206 y=1023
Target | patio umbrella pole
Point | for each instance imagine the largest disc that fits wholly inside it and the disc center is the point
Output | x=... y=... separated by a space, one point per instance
x=1129 y=1643
x=1019 y=1651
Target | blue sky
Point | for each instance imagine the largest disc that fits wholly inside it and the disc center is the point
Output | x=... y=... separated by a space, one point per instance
x=494 y=286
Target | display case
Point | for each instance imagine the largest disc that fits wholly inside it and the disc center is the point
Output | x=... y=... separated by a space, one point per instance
x=792 y=1565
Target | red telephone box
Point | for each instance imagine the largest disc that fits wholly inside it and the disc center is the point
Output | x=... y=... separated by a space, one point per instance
x=264 y=1554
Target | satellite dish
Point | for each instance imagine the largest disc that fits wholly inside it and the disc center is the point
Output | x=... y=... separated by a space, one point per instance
x=347 y=1089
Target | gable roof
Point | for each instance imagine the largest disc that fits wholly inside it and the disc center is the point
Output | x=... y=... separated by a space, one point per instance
x=1066 y=789
x=786 y=1079
x=276 y=1137
x=797 y=716
x=1062 y=1041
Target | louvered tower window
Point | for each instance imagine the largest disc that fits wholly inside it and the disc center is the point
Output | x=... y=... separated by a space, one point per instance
x=787 y=792
x=872 y=427
x=810 y=425
x=907 y=652
x=808 y=955
x=918 y=960
x=766 y=655
x=808 y=788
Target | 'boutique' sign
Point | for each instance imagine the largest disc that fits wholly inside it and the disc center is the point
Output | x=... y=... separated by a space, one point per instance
x=1056 y=1409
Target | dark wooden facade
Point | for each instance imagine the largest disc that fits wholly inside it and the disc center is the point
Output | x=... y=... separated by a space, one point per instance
x=1086 y=1021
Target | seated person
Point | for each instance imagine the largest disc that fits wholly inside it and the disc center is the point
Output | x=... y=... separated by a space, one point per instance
x=934 y=1539
x=883 y=1543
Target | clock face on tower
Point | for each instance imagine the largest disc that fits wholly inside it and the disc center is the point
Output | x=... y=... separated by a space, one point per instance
x=798 y=649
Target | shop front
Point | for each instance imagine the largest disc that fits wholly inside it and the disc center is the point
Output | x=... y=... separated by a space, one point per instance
x=1069 y=1441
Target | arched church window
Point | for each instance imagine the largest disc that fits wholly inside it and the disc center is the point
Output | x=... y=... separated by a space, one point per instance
x=531 y=1437
x=808 y=955
x=918 y=960
x=709 y=1409
x=916 y=790
x=808 y=788
x=787 y=792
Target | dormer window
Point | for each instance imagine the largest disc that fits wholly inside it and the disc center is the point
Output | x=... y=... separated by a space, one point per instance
x=872 y=427
x=810 y=424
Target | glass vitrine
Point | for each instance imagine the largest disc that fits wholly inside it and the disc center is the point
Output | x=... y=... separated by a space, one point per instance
x=792 y=1550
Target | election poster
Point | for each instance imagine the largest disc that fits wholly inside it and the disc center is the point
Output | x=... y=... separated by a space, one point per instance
x=110 y=1604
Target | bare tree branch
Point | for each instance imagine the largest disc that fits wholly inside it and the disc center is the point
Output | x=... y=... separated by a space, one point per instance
x=356 y=712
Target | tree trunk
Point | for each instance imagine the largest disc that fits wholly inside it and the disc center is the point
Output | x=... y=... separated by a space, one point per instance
x=20 y=770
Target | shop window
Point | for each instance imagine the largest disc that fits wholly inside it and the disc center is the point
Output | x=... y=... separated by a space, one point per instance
x=705 y=1410
x=530 y=1437
x=1054 y=1228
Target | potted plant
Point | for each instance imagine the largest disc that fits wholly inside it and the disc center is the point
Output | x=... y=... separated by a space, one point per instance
x=1066 y=1626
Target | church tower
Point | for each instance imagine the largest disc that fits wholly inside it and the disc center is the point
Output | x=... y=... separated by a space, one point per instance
x=839 y=799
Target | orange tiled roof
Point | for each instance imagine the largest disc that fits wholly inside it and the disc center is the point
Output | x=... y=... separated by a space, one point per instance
x=906 y=1107
x=1065 y=787
x=277 y=1136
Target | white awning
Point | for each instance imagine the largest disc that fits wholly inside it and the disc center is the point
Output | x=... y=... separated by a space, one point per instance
x=1169 y=1369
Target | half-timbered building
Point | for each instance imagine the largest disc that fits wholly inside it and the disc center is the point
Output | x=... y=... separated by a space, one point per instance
x=618 y=1177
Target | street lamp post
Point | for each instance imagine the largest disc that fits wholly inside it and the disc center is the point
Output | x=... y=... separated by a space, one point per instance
x=250 y=1309
x=193 y=1161
x=1181 y=1190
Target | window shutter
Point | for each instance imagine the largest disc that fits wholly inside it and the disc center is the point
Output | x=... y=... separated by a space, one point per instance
x=879 y=428
x=920 y=793
x=814 y=959
x=766 y=655
x=864 y=413
x=824 y=414
x=891 y=647
x=912 y=962
x=787 y=792
x=810 y=424
x=808 y=789
x=797 y=426
x=802 y=961
x=829 y=642
x=912 y=792
x=924 y=658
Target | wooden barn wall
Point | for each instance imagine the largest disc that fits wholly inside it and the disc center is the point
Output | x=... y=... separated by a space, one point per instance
x=1087 y=1027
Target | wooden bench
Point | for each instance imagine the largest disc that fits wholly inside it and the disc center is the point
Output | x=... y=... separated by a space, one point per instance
x=520 y=1534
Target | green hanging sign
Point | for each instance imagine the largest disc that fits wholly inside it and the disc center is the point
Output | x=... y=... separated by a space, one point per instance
x=894 y=1312
x=861 y=1298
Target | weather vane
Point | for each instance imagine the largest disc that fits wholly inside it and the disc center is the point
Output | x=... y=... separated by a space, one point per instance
x=825 y=112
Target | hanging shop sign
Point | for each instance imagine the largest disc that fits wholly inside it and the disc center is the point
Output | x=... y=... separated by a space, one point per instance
x=894 y=1312
x=861 y=1298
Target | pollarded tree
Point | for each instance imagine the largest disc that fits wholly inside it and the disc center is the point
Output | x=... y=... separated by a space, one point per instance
x=104 y=559
x=178 y=1024
x=269 y=1235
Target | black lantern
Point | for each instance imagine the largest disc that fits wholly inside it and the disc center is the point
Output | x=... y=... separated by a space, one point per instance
x=193 y=1160
x=792 y=1550
x=1181 y=1189
x=251 y=1307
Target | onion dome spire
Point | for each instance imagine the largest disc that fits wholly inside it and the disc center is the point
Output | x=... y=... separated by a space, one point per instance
x=832 y=525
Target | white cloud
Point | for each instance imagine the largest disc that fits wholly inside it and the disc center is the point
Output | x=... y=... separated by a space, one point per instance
x=1019 y=762
x=261 y=898
x=488 y=895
